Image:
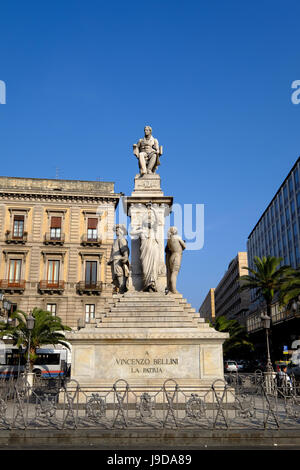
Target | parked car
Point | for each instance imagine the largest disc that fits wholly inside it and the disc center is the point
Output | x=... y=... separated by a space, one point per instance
x=231 y=366
x=241 y=365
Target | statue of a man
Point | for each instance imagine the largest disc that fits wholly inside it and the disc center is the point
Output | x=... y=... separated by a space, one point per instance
x=174 y=248
x=119 y=260
x=147 y=151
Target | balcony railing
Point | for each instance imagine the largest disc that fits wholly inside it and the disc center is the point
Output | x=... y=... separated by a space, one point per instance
x=11 y=238
x=83 y=287
x=12 y=286
x=92 y=241
x=51 y=287
x=52 y=240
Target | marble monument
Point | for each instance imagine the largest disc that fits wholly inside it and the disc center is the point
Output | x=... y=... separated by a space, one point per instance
x=148 y=332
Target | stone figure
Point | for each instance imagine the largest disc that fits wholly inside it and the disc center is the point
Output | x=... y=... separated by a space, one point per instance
x=174 y=248
x=148 y=152
x=149 y=250
x=119 y=260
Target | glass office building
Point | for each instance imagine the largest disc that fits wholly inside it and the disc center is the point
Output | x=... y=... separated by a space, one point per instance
x=277 y=231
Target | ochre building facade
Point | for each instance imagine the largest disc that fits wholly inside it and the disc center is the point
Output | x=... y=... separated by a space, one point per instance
x=55 y=240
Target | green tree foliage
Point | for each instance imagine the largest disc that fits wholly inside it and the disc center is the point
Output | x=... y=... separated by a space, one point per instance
x=290 y=289
x=267 y=278
x=238 y=344
x=48 y=329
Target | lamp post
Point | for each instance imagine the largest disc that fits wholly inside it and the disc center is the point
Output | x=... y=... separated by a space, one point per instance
x=30 y=325
x=266 y=321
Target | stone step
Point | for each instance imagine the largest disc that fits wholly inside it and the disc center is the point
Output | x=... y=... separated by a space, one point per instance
x=147 y=308
x=156 y=319
x=156 y=313
x=164 y=300
x=157 y=325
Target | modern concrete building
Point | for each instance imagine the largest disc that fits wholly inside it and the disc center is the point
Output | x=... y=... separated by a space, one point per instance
x=207 y=309
x=226 y=299
x=277 y=231
x=55 y=240
x=229 y=301
x=277 y=234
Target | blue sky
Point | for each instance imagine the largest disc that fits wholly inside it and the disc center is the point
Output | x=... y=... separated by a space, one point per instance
x=213 y=79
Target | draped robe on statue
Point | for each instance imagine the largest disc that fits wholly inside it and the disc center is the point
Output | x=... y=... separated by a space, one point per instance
x=149 y=250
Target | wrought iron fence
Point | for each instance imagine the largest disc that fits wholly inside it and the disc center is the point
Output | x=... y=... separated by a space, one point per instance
x=241 y=401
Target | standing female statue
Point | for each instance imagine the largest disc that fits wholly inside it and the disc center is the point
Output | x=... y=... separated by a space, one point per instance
x=149 y=250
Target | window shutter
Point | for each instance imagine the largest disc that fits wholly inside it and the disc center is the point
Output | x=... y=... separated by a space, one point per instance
x=55 y=222
x=92 y=223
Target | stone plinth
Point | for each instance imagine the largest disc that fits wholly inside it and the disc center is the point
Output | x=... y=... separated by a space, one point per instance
x=146 y=338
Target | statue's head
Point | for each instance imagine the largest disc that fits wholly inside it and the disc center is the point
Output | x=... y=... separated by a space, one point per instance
x=120 y=230
x=148 y=130
x=172 y=231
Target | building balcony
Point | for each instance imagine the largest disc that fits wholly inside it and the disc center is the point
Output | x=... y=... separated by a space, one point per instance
x=46 y=287
x=52 y=240
x=83 y=287
x=90 y=241
x=11 y=238
x=12 y=286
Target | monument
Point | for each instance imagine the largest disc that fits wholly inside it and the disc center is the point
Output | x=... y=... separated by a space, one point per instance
x=148 y=332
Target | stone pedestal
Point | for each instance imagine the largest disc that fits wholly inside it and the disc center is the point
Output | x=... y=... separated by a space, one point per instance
x=147 y=195
x=145 y=339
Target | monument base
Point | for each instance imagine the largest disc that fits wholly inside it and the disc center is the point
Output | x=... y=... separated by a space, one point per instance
x=146 y=339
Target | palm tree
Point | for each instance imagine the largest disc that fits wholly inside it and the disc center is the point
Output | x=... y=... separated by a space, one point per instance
x=47 y=330
x=267 y=279
x=238 y=342
x=290 y=289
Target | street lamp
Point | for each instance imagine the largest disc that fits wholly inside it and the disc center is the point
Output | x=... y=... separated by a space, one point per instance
x=266 y=321
x=30 y=325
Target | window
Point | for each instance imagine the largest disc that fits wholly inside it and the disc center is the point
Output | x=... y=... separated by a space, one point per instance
x=276 y=208
x=291 y=188
x=296 y=176
x=18 y=231
x=285 y=194
x=280 y=201
x=92 y=232
x=287 y=215
x=293 y=209
x=14 y=273
x=295 y=231
x=55 y=228
x=297 y=255
x=89 y=312
x=282 y=221
x=51 y=308
x=91 y=273
x=53 y=272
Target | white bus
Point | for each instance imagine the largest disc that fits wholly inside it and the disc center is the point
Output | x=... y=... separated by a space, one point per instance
x=49 y=362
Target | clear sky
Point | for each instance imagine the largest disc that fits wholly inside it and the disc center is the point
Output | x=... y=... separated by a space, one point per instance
x=213 y=78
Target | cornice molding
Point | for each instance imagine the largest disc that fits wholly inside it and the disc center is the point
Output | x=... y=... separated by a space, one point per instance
x=64 y=198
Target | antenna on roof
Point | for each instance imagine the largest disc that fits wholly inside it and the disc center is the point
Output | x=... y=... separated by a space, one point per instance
x=57 y=173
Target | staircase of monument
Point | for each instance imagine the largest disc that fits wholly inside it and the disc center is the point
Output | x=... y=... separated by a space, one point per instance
x=134 y=311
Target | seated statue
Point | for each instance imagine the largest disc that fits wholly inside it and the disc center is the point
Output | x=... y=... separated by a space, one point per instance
x=147 y=151
x=174 y=248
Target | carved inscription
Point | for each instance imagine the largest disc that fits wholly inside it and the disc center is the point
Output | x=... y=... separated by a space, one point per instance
x=146 y=365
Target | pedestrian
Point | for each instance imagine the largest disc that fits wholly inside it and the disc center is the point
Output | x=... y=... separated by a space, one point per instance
x=284 y=380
